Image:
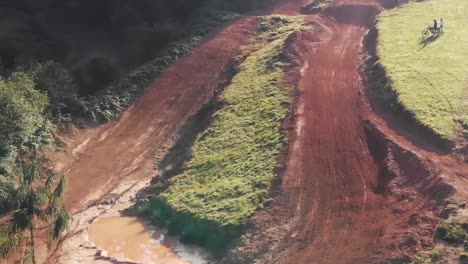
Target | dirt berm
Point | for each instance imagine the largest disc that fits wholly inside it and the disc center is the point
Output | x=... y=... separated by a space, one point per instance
x=354 y=189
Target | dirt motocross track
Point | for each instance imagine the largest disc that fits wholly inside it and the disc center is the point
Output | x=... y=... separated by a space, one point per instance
x=336 y=204
x=355 y=190
x=126 y=149
x=331 y=175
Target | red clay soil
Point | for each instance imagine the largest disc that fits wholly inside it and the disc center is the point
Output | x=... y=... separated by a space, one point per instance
x=331 y=175
x=338 y=207
x=354 y=190
x=126 y=149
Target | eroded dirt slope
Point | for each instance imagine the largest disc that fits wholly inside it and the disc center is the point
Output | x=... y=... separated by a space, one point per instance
x=125 y=149
x=331 y=178
x=355 y=190
x=331 y=175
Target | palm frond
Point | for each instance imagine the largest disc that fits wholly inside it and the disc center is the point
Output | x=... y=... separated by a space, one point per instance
x=20 y=195
x=7 y=193
x=61 y=222
x=20 y=222
x=31 y=203
x=59 y=190
x=50 y=181
x=42 y=204
x=30 y=173
x=28 y=200
x=9 y=241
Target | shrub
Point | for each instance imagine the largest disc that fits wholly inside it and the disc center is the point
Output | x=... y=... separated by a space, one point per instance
x=453 y=205
x=56 y=81
x=436 y=255
x=463 y=256
x=453 y=232
x=105 y=105
x=22 y=107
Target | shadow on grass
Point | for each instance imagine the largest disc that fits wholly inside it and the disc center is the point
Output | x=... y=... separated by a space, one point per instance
x=384 y=101
x=428 y=40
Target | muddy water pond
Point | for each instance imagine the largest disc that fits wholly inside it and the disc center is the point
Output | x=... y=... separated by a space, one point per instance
x=128 y=238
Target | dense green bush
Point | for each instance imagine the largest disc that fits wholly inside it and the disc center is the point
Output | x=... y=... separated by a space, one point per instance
x=453 y=232
x=32 y=206
x=434 y=256
x=55 y=80
x=110 y=101
x=90 y=90
x=22 y=107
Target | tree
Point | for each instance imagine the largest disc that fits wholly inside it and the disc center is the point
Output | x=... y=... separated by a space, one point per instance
x=22 y=119
x=22 y=109
x=34 y=206
x=55 y=80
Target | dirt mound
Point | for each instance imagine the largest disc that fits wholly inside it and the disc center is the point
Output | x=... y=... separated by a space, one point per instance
x=352 y=191
x=330 y=177
x=415 y=192
x=266 y=229
x=125 y=150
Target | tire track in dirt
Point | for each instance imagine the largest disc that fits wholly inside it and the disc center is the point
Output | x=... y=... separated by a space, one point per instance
x=337 y=204
x=125 y=150
x=337 y=219
x=335 y=213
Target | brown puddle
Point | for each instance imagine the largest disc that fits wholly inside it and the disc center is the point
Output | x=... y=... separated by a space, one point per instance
x=127 y=238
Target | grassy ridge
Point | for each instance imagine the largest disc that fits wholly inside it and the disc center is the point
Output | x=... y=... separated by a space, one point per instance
x=233 y=164
x=428 y=75
x=315 y=6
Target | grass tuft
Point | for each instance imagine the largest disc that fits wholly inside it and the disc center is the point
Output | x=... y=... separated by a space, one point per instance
x=436 y=255
x=463 y=256
x=453 y=205
x=428 y=75
x=234 y=162
x=453 y=232
x=316 y=6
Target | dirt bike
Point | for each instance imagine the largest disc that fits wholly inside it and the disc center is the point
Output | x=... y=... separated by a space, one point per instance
x=434 y=31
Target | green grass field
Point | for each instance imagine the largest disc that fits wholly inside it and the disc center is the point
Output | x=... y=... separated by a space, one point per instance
x=233 y=164
x=428 y=75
